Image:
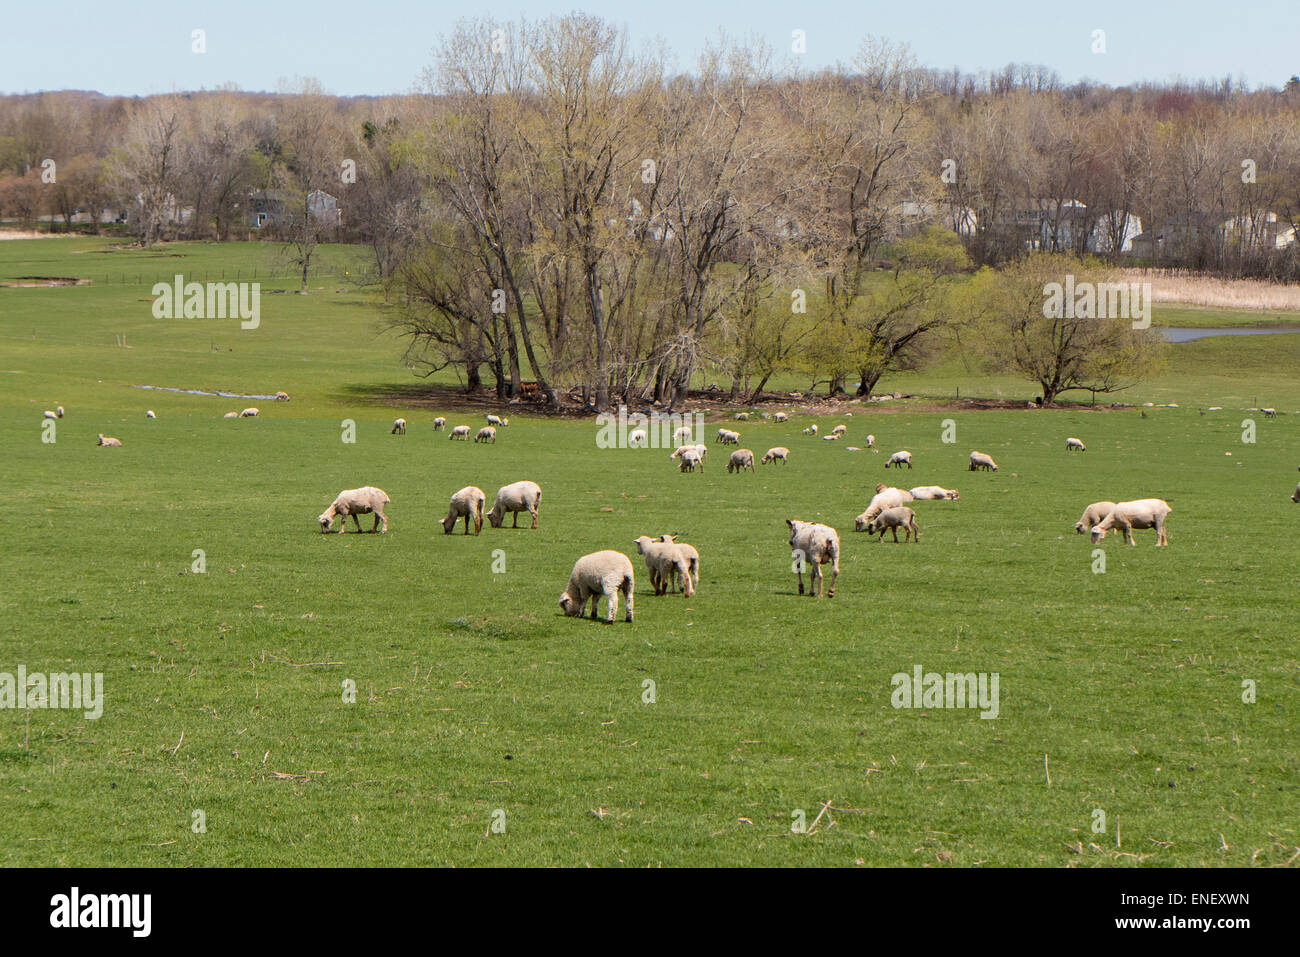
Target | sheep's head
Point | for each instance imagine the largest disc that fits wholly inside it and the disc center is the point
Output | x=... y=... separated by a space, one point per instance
x=1098 y=533
x=326 y=519
x=862 y=523
x=642 y=542
x=570 y=605
x=1080 y=527
x=668 y=538
x=449 y=523
x=496 y=516
x=953 y=495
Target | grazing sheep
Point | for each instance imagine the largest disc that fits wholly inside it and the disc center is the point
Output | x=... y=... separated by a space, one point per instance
x=108 y=441
x=811 y=430
x=1269 y=413
x=468 y=504
x=1295 y=496
x=728 y=437
x=899 y=459
x=682 y=434
x=497 y=420
x=1216 y=408
x=892 y=519
x=460 y=432
x=741 y=459
x=1140 y=513
x=399 y=427
x=354 y=502
x=439 y=424
x=833 y=437
x=701 y=448
x=599 y=574
x=249 y=413
x=978 y=460
x=777 y=452
x=150 y=415
x=871 y=441
x=839 y=429
x=515 y=498
x=56 y=414
x=231 y=415
x=885 y=497
x=692 y=559
x=637 y=437
x=282 y=397
x=666 y=563
x=486 y=434
x=930 y=493
x=818 y=544
x=779 y=417
x=691 y=459
x=1075 y=445
x=1093 y=514
x=742 y=416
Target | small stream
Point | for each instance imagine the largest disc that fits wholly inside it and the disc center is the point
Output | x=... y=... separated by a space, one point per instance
x=1185 y=334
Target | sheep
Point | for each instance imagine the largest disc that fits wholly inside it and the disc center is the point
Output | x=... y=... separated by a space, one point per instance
x=637 y=437
x=871 y=442
x=1075 y=445
x=779 y=417
x=742 y=417
x=354 y=502
x=811 y=430
x=892 y=519
x=728 y=437
x=978 y=460
x=741 y=459
x=1269 y=413
x=1295 y=496
x=1140 y=513
x=1216 y=408
x=833 y=437
x=666 y=563
x=497 y=420
x=899 y=459
x=460 y=432
x=774 y=453
x=682 y=434
x=486 y=434
x=468 y=504
x=439 y=424
x=1093 y=514
x=601 y=573
x=690 y=554
x=231 y=415
x=930 y=493
x=282 y=397
x=249 y=413
x=818 y=544
x=399 y=427
x=56 y=414
x=108 y=441
x=839 y=429
x=885 y=497
x=515 y=498
x=149 y=414
x=702 y=449
x=691 y=460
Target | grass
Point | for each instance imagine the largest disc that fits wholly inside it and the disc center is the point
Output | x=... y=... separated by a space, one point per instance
x=474 y=695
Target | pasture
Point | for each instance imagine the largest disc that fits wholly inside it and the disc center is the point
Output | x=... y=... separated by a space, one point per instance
x=1120 y=691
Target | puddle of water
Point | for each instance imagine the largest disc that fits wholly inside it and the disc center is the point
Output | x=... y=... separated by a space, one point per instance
x=224 y=395
x=1185 y=334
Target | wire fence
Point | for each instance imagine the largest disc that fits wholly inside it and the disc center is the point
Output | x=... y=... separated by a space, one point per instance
x=228 y=274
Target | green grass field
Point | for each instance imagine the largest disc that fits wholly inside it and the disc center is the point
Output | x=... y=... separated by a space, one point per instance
x=1120 y=692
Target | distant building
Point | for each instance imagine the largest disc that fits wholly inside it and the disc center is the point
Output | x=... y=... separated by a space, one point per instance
x=271 y=207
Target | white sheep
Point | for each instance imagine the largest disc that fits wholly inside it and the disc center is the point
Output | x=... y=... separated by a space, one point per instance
x=399 y=427
x=108 y=441
x=741 y=459
x=811 y=430
x=833 y=437
x=839 y=429
x=979 y=460
x=692 y=559
x=149 y=415
x=1295 y=496
x=899 y=459
x=354 y=502
x=930 y=493
x=486 y=434
x=691 y=459
x=666 y=563
x=467 y=504
x=682 y=434
x=56 y=414
x=1093 y=514
x=599 y=574
x=439 y=424
x=231 y=415
x=1269 y=413
x=892 y=519
x=249 y=413
x=515 y=498
x=1140 y=513
x=779 y=417
x=1075 y=445
x=885 y=497
x=701 y=448
x=818 y=544
x=497 y=420
x=460 y=432
x=742 y=416
x=774 y=453
x=871 y=441
x=728 y=437
x=637 y=438
x=282 y=397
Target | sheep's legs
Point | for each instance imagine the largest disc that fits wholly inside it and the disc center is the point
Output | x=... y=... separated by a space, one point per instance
x=534 y=518
x=627 y=595
x=611 y=606
x=835 y=574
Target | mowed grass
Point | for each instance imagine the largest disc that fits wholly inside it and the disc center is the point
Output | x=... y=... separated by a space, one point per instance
x=224 y=690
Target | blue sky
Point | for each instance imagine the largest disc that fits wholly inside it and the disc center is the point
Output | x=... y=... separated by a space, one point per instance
x=380 y=46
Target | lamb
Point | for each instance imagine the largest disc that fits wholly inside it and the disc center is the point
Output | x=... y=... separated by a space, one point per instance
x=691 y=459
x=899 y=459
x=249 y=413
x=682 y=434
x=833 y=437
x=497 y=420
x=108 y=441
x=231 y=415
x=741 y=459
x=774 y=453
x=1140 y=513
x=1295 y=496
x=486 y=434
x=149 y=415
x=460 y=432
x=665 y=562
x=439 y=424
x=282 y=397
x=742 y=416
x=978 y=460
x=399 y=427
x=811 y=430
x=601 y=573
x=515 y=498
x=779 y=417
x=885 y=497
x=930 y=493
x=892 y=519
x=637 y=437
x=56 y=414
x=354 y=502
x=871 y=441
x=728 y=437
x=690 y=554
x=839 y=429
x=818 y=544
x=1269 y=413
x=1093 y=514
x=1075 y=445
x=468 y=504
x=681 y=450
